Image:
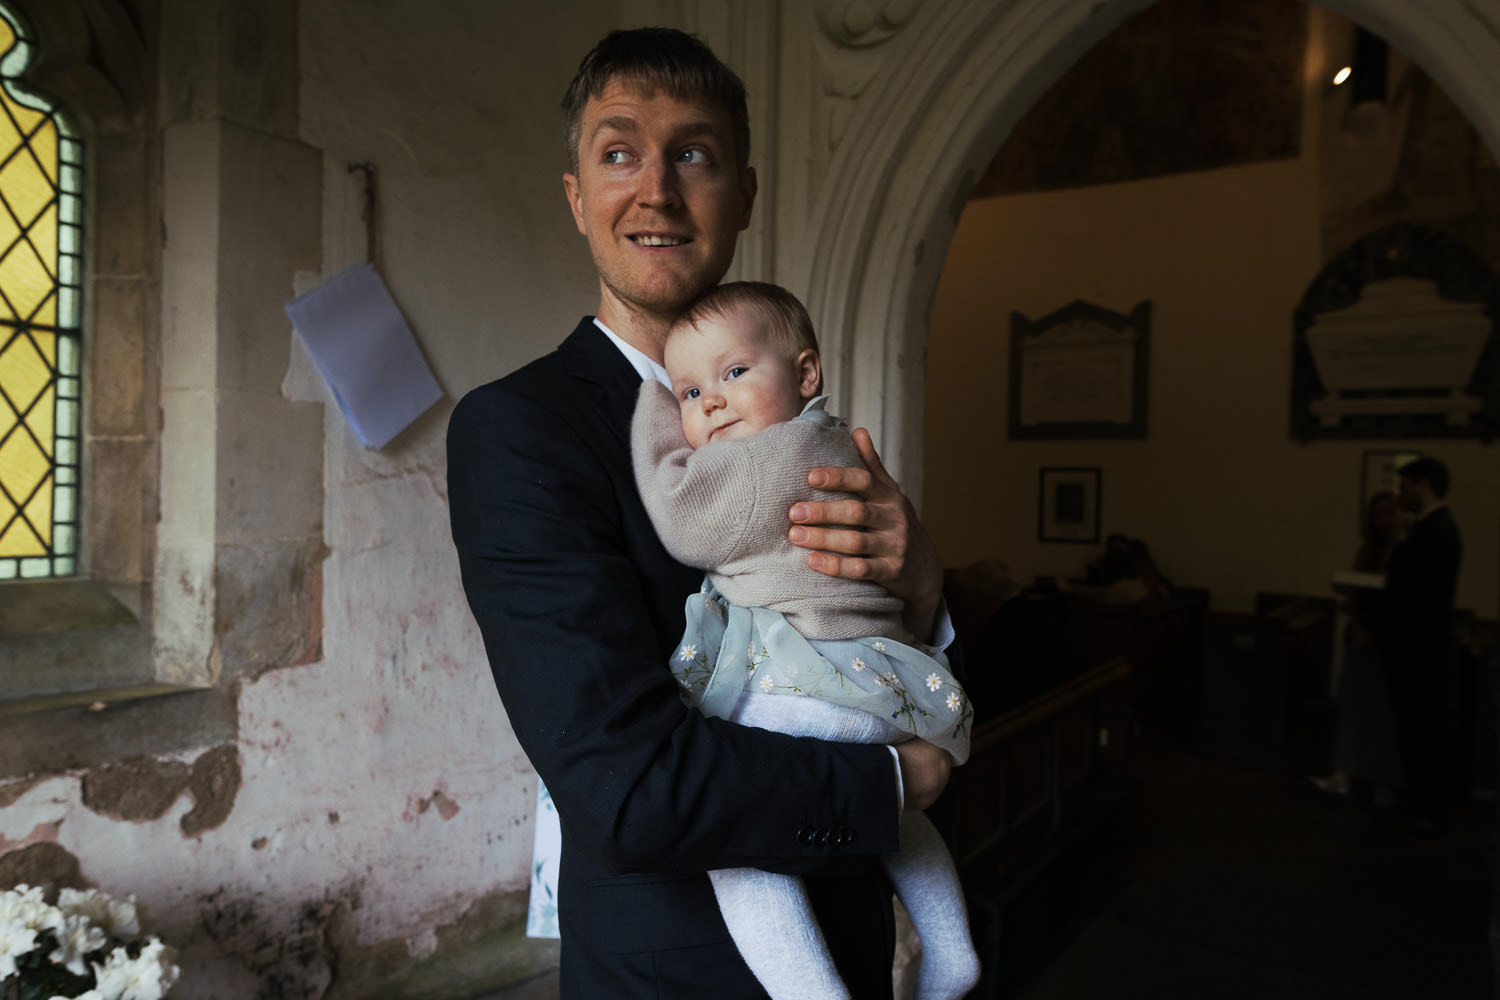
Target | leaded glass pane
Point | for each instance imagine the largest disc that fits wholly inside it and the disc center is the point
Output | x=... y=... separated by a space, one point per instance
x=41 y=241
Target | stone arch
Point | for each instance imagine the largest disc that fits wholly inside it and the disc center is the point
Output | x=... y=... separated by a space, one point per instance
x=879 y=249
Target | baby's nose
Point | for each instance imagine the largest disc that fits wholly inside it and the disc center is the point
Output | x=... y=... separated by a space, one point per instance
x=712 y=402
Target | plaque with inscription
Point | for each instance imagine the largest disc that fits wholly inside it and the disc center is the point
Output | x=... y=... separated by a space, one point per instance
x=1080 y=372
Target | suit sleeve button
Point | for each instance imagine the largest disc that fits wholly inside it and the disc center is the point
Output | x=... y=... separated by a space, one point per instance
x=805 y=835
x=823 y=836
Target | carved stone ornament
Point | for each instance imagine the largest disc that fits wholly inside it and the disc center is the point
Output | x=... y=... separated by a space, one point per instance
x=858 y=24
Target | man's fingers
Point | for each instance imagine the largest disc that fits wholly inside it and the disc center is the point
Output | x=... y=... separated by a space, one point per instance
x=854 y=513
x=867 y=454
x=841 y=479
x=839 y=541
x=852 y=567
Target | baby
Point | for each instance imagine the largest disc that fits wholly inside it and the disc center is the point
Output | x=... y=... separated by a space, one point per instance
x=719 y=459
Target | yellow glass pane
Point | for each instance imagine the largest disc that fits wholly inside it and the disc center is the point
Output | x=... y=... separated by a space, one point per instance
x=39 y=512
x=24 y=279
x=25 y=117
x=20 y=540
x=25 y=188
x=44 y=145
x=44 y=237
x=47 y=315
x=23 y=372
x=7 y=35
x=22 y=466
x=9 y=137
x=8 y=229
x=42 y=418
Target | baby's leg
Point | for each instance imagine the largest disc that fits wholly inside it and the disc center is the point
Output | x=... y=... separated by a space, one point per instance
x=771 y=920
x=927 y=885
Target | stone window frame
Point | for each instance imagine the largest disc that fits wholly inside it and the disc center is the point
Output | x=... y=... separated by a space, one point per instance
x=202 y=206
x=88 y=637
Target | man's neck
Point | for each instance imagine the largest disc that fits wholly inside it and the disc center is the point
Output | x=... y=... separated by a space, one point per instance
x=645 y=331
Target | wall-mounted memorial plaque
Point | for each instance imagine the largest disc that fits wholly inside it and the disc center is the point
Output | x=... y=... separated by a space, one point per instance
x=1396 y=338
x=1080 y=372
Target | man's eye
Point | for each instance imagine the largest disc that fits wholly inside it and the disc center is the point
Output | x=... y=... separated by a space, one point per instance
x=616 y=156
x=737 y=371
x=693 y=156
x=690 y=394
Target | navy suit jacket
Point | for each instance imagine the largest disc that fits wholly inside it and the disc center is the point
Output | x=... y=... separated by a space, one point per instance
x=1420 y=581
x=580 y=608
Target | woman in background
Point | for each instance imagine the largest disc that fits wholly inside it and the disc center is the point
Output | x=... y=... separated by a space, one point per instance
x=1366 y=747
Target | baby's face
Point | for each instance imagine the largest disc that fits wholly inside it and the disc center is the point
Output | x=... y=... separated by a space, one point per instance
x=731 y=381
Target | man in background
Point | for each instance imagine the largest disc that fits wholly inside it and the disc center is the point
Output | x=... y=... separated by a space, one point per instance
x=1416 y=640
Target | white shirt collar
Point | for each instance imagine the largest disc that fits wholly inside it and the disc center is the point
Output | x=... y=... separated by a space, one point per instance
x=644 y=366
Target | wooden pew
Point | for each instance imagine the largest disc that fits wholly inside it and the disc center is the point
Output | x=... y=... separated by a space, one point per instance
x=1033 y=819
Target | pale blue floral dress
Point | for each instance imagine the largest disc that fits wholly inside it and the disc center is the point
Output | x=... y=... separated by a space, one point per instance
x=727 y=650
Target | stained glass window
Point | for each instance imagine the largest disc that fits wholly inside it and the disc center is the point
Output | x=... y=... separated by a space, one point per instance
x=41 y=271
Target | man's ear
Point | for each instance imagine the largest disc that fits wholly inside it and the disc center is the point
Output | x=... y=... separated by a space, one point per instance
x=809 y=374
x=575 y=200
x=749 y=185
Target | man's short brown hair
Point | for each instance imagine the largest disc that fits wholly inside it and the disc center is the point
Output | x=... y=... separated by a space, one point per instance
x=658 y=59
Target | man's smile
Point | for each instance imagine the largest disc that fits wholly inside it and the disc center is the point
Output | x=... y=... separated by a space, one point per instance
x=653 y=240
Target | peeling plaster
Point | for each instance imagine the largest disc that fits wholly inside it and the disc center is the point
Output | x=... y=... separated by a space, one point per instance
x=45 y=863
x=214 y=785
x=137 y=790
x=11 y=792
x=446 y=807
x=140 y=790
x=41 y=833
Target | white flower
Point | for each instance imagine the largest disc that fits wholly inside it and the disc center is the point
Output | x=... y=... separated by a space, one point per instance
x=934 y=682
x=879 y=647
x=687 y=652
x=751 y=651
x=857 y=664
x=147 y=977
x=76 y=938
x=879 y=679
x=895 y=682
x=115 y=917
x=954 y=701
x=766 y=684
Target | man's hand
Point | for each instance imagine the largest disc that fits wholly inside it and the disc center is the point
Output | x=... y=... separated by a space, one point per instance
x=874 y=537
x=924 y=772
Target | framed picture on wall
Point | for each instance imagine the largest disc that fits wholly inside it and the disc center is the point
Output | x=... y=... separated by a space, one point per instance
x=1378 y=475
x=1068 y=506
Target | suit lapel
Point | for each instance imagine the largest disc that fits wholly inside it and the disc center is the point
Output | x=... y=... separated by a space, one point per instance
x=590 y=357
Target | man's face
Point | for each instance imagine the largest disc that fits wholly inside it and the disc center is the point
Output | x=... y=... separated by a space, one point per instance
x=1411 y=495
x=731 y=381
x=660 y=197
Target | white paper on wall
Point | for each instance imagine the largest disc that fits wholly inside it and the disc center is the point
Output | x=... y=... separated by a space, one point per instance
x=367 y=354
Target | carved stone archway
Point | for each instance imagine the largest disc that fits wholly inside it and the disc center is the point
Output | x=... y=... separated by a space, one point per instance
x=909 y=101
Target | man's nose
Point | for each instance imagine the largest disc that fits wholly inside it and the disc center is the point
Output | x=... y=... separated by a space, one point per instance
x=659 y=183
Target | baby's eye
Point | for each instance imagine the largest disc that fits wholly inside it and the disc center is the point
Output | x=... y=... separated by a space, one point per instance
x=738 y=370
x=690 y=394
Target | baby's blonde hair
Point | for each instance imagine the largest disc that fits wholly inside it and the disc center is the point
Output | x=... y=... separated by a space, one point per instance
x=777 y=311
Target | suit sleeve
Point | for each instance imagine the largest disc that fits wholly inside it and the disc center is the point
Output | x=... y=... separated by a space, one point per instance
x=641 y=782
x=700 y=501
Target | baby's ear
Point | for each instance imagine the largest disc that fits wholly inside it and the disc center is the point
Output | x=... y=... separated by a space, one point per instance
x=809 y=374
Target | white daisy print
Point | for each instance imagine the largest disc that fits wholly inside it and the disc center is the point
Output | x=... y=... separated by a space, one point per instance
x=857 y=664
x=879 y=647
x=954 y=701
x=687 y=652
x=766 y=684
x=934 y=682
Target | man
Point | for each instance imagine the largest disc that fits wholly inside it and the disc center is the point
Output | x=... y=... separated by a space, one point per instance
x=1416 y=639
x=580 y=606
